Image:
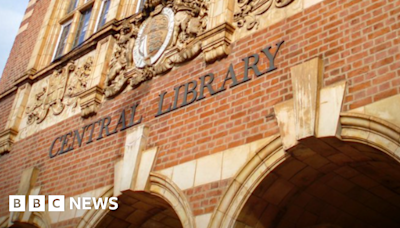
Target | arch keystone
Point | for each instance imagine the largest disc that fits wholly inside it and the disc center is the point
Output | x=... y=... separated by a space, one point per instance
x=314 y=111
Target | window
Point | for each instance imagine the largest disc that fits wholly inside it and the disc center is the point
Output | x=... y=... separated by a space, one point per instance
x=82 y=27
x=140 y=6
x=62 y=40
x=78 y=22
x=101 y=21
x=72 y=5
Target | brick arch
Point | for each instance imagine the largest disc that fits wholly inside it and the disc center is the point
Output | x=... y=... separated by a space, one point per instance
x=161 y=191
x=377 y=138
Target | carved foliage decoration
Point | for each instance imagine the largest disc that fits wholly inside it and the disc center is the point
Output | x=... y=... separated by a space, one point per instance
x=62 y=89
x=166 y=34
x=79 y=82
x=250 y=10
x=36 y=111
x=191 y=20
x=121 y=60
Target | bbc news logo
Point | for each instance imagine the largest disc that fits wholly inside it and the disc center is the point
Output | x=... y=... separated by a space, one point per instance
x=57 y=203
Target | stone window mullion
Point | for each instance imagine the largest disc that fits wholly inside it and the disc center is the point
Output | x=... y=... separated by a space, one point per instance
x=72 y=35
x=96 y=11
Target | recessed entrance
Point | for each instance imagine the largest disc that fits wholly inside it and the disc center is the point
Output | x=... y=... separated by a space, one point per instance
x=22 y=225
x=141 y=210
x=344 y=185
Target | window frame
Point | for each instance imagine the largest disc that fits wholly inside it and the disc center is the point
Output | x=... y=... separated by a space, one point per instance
x=139 y=6
x=80 y=25
x=67 y=23
x=99 y=17
x=96 y=22
x=72 y=9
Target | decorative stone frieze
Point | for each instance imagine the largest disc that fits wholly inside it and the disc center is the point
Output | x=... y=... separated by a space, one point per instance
x=165 y=35
x=62 y=89
x=250 y=10
x=116 y=80
x=79 y=83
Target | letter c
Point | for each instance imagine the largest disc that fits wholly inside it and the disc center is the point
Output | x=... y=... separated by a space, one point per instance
x=55 y=204
x=51 y=148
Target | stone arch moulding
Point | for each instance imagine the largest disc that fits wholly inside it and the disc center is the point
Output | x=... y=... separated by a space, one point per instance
x=159 y=186
x=164 y=188
x=371 y=131
x=39 y=219
x=247 y=179
x=93 y=216
x=4 y=221
x=28 y=186
x=133 y=174
x=313 y=113
x=359 y=128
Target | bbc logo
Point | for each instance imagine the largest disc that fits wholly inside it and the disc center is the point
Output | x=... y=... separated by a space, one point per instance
x=57 y=203
x=36 y=203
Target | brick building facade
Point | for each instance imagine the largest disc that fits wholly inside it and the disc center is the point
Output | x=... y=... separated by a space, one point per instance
x=199 y=114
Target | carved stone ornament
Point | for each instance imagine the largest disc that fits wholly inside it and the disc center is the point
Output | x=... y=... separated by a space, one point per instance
x=62 y=89
x=90 y=101
x=250 y=10
x=7 y=140
x=153 y=38
x=167 y=33
x=121 y=60
x=37 y=112
x=79 y=83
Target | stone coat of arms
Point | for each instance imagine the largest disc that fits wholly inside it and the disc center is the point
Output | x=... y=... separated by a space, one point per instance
x=165 y=34
x=153 y=38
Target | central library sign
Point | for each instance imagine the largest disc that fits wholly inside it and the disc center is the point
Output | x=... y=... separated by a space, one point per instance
x=193 y=91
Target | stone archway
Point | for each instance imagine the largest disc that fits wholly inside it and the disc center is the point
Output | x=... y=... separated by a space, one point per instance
x=322 y=159
x=353 y=181
x=142 y=210
x=352 y=185
x=23 y=225
x=163 y=205
x=36 y=219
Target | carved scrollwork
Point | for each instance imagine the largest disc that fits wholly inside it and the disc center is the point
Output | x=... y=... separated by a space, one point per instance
x=36 y=112
x=79 y=81
x=191 y=19
x=179 y=57
x=166 y=34
x=282 y=3
x=143 y=75
x=121 y=60
x=250 y=10
x=61 y=90
x=56 y=90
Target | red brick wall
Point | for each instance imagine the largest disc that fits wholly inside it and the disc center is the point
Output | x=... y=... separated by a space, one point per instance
x=18 y=59
x=358 y=41
x=204 y=198
x=23 y=46
x=6 y=106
